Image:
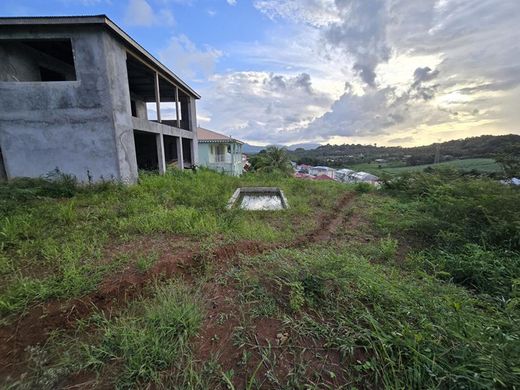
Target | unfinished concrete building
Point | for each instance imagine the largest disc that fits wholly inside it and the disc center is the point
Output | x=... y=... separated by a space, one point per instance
x=79 y=95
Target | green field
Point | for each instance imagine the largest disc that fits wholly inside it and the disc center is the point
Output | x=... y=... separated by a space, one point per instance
x=485 y=165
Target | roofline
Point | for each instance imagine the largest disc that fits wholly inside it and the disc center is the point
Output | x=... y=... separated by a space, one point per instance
x=219 y=140
x=95 y=19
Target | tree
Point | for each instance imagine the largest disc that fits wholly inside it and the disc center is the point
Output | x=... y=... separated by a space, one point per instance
x=510 y=161
x=273 y=159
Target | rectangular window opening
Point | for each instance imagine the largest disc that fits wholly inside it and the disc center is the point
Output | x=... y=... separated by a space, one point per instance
x=37 y=60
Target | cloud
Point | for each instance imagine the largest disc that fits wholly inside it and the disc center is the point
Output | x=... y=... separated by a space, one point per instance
x=187 y=60
x=361 y=33
x=261 y=106
x=376 y=70
x=232 y=2
x=314 y=12
x=140 y=13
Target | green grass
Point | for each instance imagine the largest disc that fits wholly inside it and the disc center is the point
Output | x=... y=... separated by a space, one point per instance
x=150 y=337
x=53 y=234
x=414 y=331
x=419 y=289
x=484 y=165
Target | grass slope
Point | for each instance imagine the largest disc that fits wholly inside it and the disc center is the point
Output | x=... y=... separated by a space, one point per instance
x=414 y=286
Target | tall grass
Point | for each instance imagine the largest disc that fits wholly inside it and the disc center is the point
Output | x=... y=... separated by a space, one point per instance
x=469 y=227
x=415 y=332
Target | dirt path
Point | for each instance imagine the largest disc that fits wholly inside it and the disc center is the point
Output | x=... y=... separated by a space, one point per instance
x=35 y=325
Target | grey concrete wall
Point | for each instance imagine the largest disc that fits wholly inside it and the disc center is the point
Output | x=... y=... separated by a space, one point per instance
x=67 y=125
x=121 y=108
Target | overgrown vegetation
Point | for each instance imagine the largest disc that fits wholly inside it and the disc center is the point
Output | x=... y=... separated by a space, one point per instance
x=53 y=231
x=416 y=286
x=469 y=227
x=393 y=329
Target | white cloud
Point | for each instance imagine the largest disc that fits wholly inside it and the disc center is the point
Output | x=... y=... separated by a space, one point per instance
x=260 y=106
x=314 y=12
x=140 y=13
x=232 y=2
x=187 y=60
x=429 y=68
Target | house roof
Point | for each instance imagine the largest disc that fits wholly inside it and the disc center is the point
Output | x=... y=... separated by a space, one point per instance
x=321 y=168
x=205 y=135
x=105 y=21
x=323 y=177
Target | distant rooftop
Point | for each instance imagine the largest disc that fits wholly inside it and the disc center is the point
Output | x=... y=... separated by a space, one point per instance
x=101 y=20
x=205 y=135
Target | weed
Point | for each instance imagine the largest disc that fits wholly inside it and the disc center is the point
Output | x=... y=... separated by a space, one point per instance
x=151 y=339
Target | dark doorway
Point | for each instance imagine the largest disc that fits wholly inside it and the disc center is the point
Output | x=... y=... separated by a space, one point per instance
x=186 y=152
x=170 y=149
x=3 y=173
x=146 y=151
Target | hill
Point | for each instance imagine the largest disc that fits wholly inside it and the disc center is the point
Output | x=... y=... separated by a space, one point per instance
x=253 y=149
x=486 y=146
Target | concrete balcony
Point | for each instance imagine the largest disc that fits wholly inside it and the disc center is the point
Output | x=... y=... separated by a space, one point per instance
x=228 y=167
x=160 y=128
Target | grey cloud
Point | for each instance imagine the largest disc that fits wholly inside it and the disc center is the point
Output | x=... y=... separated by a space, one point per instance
x=280 y=82
x=361 y=32
x=400 y=140
x=262 y=107
x=424 y=74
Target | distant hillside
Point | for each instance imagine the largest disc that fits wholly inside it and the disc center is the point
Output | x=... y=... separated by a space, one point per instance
x=252 y=149
x=476 y=147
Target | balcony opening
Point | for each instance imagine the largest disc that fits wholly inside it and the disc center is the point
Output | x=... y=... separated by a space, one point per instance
x=146 y=151
x=173 y=102
x=37 y=60
x=186 y=152
x=170 y=150
x=141 y=82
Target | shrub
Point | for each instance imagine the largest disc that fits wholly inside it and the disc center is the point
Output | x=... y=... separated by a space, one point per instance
x=484 y=271
x=363 y=188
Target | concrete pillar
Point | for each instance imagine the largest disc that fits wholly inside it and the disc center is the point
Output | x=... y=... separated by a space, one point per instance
x=160 y=153
x=157 y=97
x=177 y=108
x=180 y=157
x=193 y=126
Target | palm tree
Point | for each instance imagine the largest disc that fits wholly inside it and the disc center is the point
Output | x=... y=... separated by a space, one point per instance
x=274 y=159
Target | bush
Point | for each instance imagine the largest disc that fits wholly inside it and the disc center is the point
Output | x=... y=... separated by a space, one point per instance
x=363 y=188
x=484 y=271
x=457 y=210
x=471 y=227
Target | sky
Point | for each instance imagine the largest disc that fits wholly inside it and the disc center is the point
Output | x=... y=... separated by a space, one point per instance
x=385 y=72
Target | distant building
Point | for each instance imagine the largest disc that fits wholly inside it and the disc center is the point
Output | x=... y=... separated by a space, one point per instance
x=364 y=177
x=344 y=175
x=303 y=168
x=220 y=152
x=322 y=177
x=322 y=170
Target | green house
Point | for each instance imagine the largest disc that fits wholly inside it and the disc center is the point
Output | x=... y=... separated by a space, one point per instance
x=220 y=152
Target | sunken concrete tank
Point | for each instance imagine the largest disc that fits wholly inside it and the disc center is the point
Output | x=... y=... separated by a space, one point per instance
x=258 y=198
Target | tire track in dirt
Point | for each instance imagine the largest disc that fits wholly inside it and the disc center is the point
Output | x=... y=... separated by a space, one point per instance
x=35 y=326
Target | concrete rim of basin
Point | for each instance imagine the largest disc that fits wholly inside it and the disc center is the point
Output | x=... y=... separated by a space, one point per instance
x=257 y=190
